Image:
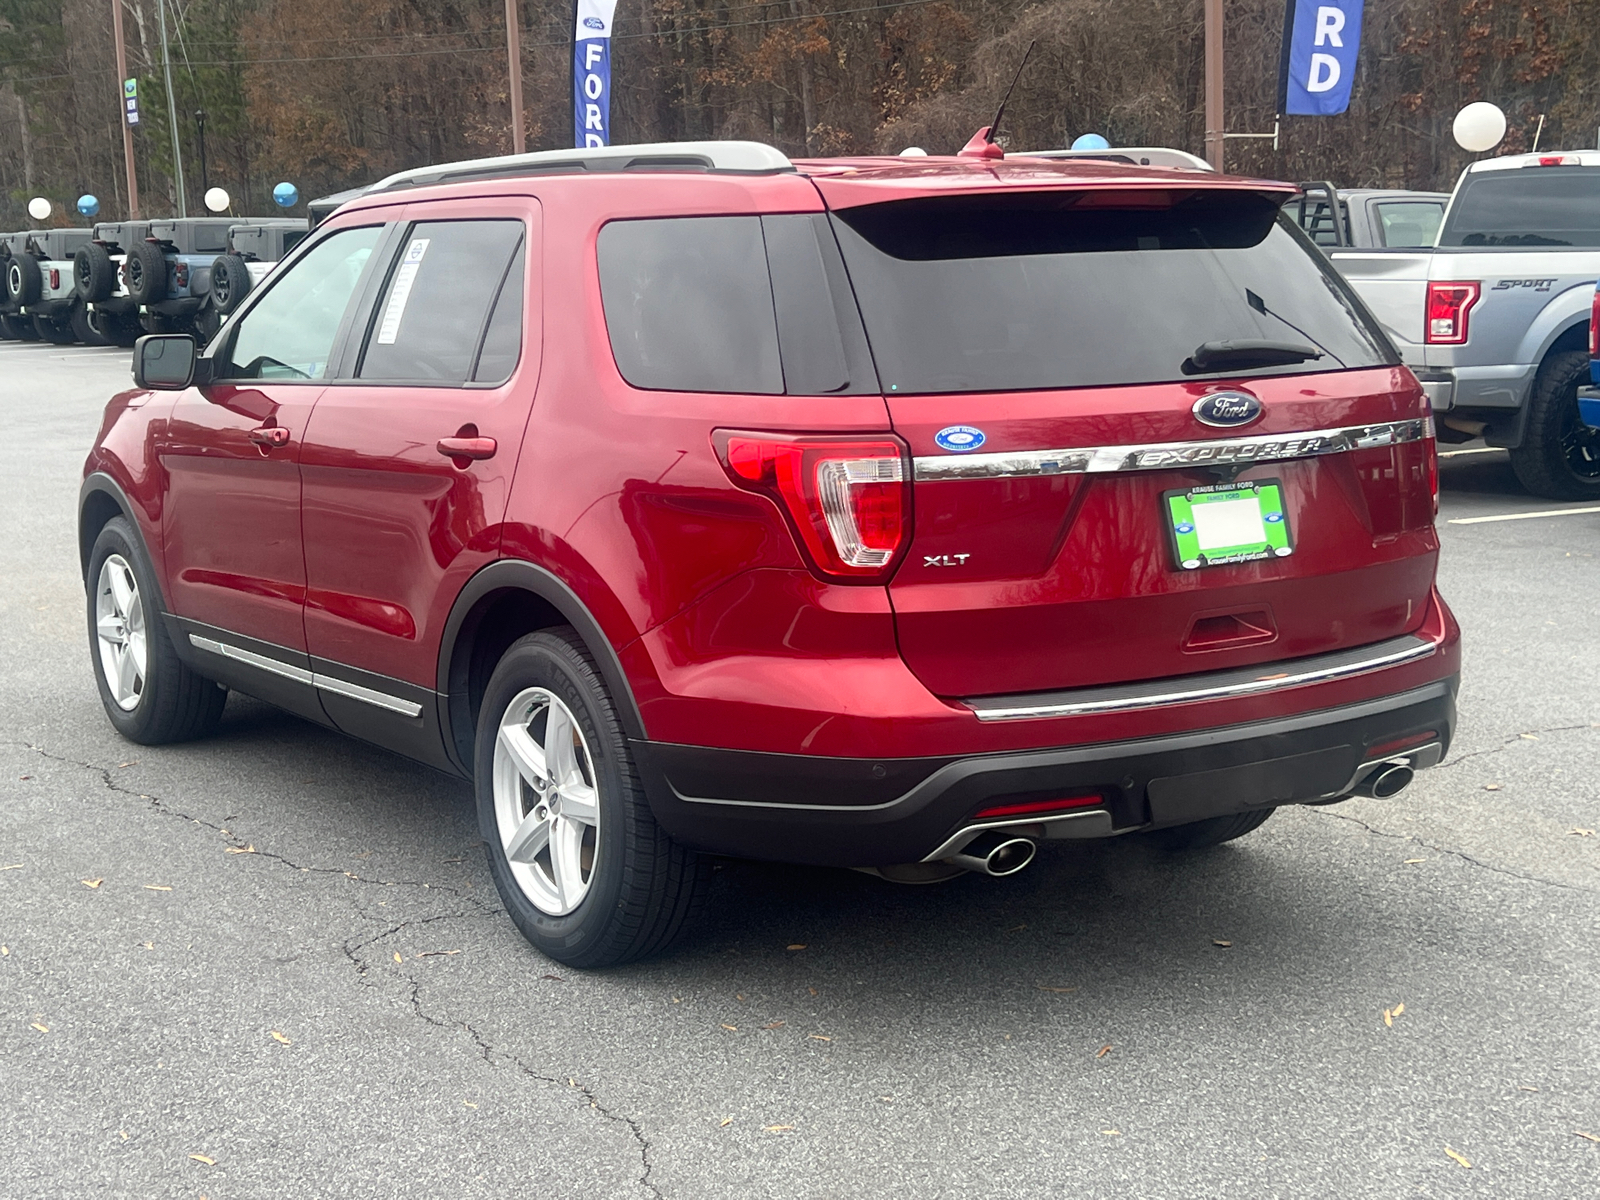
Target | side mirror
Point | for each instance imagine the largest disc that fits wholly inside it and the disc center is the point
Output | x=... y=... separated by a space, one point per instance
x=167 y=362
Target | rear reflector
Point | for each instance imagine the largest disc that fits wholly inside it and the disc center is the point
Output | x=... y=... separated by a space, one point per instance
x=1039 y=808
x=1448 y=306
x=847 y=500
x=1406 y=743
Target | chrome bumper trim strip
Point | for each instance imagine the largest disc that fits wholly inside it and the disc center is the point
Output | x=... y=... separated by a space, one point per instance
x=406 y=708
x=326 y=683
x=1094 y=460
x=1181 y=695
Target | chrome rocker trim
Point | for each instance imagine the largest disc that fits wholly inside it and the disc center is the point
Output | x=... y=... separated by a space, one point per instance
x=1159 y=693
x=326 y=683
x=1095 y=460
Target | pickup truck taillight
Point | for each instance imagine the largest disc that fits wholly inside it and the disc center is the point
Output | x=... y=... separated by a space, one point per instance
x=1594 y=325
x=1448 y=306
x=848 y=499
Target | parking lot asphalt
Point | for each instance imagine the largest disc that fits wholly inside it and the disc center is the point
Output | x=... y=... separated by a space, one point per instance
x=273 y=963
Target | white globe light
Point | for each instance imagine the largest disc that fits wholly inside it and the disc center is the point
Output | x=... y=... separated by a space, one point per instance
x=217 y=200
x=39 y=208
x=913 y=152
x=1479 y=127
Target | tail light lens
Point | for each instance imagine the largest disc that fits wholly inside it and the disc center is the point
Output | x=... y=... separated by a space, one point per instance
x=183 y=275
x=849 y=501
x=1594 y=325
x=55 y=278
x=1448 y=306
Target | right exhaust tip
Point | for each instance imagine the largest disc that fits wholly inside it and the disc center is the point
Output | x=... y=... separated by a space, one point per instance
x=996 y=856
x=1388 y=781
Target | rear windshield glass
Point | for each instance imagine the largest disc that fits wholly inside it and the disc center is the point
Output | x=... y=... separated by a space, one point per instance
x=1083 y=289
x=1528 y=206
x=1411 y=224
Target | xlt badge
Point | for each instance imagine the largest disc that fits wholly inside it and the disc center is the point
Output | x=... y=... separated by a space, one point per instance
x=945 y=560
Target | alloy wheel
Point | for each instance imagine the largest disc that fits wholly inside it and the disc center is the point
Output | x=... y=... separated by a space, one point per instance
x=120 y=632
x=546 y=801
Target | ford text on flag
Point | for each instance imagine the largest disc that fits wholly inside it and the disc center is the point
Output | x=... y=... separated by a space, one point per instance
x=591 y=73
x=1321 y=39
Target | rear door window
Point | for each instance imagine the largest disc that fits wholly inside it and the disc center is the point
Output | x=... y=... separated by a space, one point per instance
x=431 y=320
x=1410 y=224
x=1526 y=206
x=1083 y=289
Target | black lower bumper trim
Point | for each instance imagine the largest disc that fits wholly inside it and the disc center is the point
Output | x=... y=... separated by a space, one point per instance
x=861 y=812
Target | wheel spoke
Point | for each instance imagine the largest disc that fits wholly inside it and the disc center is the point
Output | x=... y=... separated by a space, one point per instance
x=127 y=673
x=530 y=838
x=121 y=593
x=110 y=629
x=526 y=753
x=558 y=733
x=579 y=803
x=566 y=861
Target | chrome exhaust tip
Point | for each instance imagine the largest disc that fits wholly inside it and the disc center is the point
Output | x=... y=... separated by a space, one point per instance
x=995 y=854
x=1386 y=781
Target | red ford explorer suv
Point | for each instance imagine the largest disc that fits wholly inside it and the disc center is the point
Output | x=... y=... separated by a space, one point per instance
x=878 y=513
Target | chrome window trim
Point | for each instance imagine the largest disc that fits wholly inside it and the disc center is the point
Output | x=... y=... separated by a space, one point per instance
x=326 y=683
x=1153 y=456
x=1266 y=683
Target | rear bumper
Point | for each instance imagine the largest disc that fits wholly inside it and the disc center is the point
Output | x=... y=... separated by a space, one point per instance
x=862 y=812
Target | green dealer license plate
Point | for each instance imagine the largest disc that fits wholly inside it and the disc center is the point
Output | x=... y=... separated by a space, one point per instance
x=1228 y=523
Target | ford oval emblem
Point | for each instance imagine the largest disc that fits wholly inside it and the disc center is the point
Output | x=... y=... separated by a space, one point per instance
x=960 y=438
x=1226 y=410
x=593 y=23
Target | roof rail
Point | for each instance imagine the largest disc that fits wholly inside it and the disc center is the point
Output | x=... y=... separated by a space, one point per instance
x=739 y=158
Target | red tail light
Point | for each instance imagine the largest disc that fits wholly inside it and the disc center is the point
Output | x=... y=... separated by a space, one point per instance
x=183 y=275
x=1039 y=808
x=55 y=278
x=1594 y=325
x=849 y=501
x=1448 y=306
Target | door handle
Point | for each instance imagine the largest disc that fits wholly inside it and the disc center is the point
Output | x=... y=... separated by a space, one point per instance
x=467 y=447
x=270 y=435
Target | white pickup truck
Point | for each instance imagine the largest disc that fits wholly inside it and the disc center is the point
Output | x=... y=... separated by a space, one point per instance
x=1494 y=319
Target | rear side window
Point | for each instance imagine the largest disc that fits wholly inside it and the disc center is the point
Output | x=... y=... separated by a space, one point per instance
x=1411 y=224
x=431 y=320
x=1526 y=206
x=1084 y=289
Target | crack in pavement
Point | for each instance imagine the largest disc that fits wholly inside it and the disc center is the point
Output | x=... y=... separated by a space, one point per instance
x=1446 y=850
x=1512 y=741
x=351 y=947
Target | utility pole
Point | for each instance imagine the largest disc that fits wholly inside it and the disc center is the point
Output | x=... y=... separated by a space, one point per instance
x=514 y=55
x=172 y=113
x=127 y=130
x=1215 y=126
x=200 y=128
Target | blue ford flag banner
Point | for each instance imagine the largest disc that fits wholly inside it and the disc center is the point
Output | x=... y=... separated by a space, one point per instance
x=1321 y=39
x=591 y=73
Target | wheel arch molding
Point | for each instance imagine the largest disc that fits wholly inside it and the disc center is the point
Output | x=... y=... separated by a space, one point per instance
x=99 y=500
x=501 y=603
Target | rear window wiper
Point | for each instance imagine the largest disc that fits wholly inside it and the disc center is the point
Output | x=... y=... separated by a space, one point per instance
x=1240 y=353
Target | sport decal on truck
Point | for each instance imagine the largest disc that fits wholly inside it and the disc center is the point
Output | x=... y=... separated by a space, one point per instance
x=1538 y=285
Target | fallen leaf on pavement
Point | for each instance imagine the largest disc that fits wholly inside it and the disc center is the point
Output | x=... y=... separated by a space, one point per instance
x=1460 y=1158
x=557 y=978
x=1112 y=1132
x=1522 y=1087
x=397 y=957
x=796 y=946
x=777 y=1128
x=1580 y=833
x=775 y=1025
x=148 y=945
x=813 y=991
x=1103 y=1051
x=132 y=762
x=469 y=1104
x=739 y=996
x=731 y=1028
x=1389 y=1014
x=250 y=849
x=818 y=1037
x=726 y=1121
x=92 y=883
x=157 y=887
x=436 y=954
x=1532 y=737
x=1220 y=942
x=278 y=1037
x=1014 y=928
x=1410 y=861
x=1587 y=1136
x=39 y=1027
x=210 y=1162
x=5 y=951
x=1045 y=987
x=13 y=867
x=1491 y=787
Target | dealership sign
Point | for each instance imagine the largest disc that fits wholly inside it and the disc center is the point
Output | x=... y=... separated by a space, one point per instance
x=1321 y=41
x=591 y=73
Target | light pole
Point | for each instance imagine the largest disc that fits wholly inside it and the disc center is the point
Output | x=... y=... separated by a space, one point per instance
x=172 y=113
x=200 y=128
x=514 y=54
x=1216 y=137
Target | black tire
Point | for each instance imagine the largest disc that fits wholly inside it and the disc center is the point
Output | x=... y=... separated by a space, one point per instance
x=94 y=275
x=24 y=280
x=644 y=890
x=1213 y=831
x=19 y=328
x=230 y=282
x=205 y=324
x=83 y=329
x=174 y=704
x=116 y=329
x=6 y=332
x=57 y=333
x=147 y=273
x=1559 y=458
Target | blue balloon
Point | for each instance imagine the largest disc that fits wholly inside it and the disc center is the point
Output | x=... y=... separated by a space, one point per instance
x=286 y=195
x=1090 y=141
x=88 y=205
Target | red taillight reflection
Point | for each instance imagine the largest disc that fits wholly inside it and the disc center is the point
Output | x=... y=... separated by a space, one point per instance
x=1399 y=744
x=1594 y=325
x=1038 y=808
x=1448 y=306
x=848 y=500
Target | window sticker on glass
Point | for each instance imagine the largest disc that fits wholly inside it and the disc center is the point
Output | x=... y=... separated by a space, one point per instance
x=401 y=292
